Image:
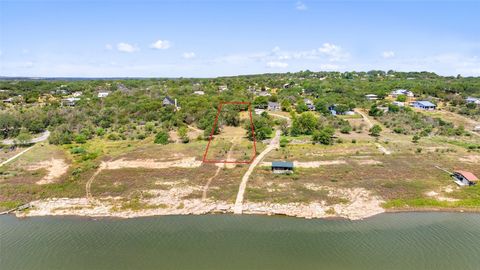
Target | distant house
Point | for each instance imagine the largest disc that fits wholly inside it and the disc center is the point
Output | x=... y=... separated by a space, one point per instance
x=77 y=94
x=168 y=101
x=464 y=178
x=371 y=97
x=333 y=110
x=424 y=105
x=308 y=101
x=200 y=93
x=399 y=92
x=311 y=107
x=70 y=101
x=103 y=94
x=263 y=94
x=8 y=100
x=473 y=100
x=282 y=167
x=273 y=106
x=399 y=104
x=122 y=88
x=476 y=128
x=222 y=88
x=259 y=111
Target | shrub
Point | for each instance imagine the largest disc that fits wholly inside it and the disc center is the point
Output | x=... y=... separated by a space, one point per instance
x=162 y=137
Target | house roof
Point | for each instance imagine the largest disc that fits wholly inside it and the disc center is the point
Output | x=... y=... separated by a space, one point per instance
x=169 y=100
x=425 y=103
x=470 y=176
x=282 y=164
x=371 y=95
x=273 y=104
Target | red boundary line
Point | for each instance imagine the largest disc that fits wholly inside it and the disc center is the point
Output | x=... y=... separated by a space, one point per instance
x=213 y=129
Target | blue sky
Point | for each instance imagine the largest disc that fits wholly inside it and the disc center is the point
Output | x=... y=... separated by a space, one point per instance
x=217 y=38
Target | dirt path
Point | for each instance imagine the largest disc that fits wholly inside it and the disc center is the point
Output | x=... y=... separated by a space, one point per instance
x=40 y=138
x=224 y=165
x=370 y=125
x=88 y=185
x=16 y=156
x=365 y=118
x=238 y=208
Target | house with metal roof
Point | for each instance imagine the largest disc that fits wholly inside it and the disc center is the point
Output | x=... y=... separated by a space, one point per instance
x=371 y=97
x=273 y=106
x=282 y=167
x=424 y=105
x=464 y=178
x=473 y=100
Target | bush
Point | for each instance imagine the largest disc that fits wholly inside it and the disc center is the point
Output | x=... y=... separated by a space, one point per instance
x=162 y=137
x=323 y=136
x=375 y=130
x=80 y=138
x=283 y=142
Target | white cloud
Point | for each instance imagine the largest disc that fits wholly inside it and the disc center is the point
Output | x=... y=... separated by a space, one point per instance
x=108 y=47
x=300 y=6
x=188 y=55
x=329 y=67
x=388 y=54
x=161 y=44
x=125 y=47
x=328 y=51
x=276 y=64
x=333 y=52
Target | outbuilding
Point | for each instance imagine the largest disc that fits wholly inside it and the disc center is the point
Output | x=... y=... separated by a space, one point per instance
x=464 y=178
x=282 y=167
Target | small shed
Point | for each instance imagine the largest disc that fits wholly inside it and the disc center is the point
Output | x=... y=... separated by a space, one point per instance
x=464 y=178
x=282 y=167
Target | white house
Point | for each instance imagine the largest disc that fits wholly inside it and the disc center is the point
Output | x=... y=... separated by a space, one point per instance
x=200 y=93
x=77 y=94
x=70 y=101
x=473 y=100
x=399 y=104
x=399 y=92
x=371 y=97
x=424 y=105
x=103 y=94
x=222 y=88
x=273 y=106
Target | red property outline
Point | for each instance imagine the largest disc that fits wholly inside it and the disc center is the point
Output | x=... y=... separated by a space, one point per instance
x=213 y=129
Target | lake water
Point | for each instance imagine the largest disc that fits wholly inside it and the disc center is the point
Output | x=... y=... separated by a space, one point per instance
x=389 y=241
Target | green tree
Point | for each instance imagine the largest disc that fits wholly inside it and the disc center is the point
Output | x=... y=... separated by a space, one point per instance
x=23 y=138
x=162 y=137
x=401 y=98
x=305 y=124
x=183 y=134
x=323 y=136
x=375 y=130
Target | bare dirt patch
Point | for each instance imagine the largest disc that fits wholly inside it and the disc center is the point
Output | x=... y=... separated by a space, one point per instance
x=55 y=168
x=189 y=162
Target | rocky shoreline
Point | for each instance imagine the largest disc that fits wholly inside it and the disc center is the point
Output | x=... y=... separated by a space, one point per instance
x=109 y=207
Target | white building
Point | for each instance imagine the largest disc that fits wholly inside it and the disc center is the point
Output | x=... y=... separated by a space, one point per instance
x=200 y=93
x=473 y=100
x=400 y=92
x=103 y=94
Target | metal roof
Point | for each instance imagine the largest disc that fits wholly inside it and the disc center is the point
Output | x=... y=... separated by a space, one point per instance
x=282 y=164
x=470 y=176
x=425 y=103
